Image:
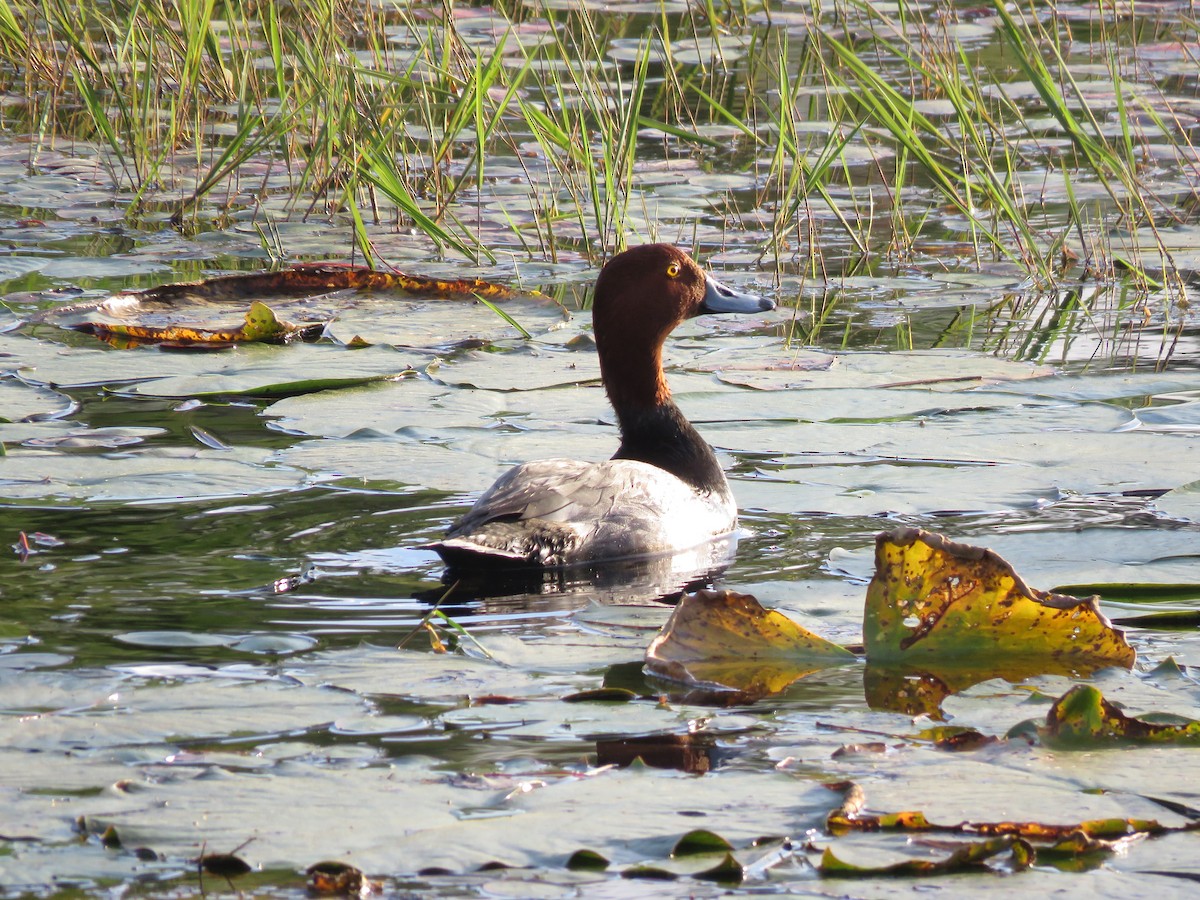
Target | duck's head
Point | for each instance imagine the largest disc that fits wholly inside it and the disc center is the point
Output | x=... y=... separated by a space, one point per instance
x=641 y=295
x=654 y=287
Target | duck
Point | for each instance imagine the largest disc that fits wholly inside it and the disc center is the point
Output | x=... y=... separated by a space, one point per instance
x=664 y=490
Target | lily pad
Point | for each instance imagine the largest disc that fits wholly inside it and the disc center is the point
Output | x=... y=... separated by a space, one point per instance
x=728 y=640
x=236 y=372
x=1182 y=502
x=20 y=402
x=1083 y=718
x=932 y=599
x=151 y=474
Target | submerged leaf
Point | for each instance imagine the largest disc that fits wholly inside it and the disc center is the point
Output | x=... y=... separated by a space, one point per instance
x=728 y=639
x=933 y=599
x=1082 y=717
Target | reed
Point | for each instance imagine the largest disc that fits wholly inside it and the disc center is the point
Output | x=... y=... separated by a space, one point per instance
x=401 y=119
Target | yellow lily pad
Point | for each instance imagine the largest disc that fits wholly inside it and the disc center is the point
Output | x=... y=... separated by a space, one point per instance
x=727 y=639
x=931 y=598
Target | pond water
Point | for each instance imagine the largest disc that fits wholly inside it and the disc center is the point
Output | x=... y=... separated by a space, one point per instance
x=212 y=632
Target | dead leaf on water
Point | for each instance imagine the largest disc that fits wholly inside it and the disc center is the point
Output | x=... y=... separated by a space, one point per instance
x=1054 y=841
x=308 y=279
x=727 y=639
x=935 y=600
x=261 y=325
x=338 y=879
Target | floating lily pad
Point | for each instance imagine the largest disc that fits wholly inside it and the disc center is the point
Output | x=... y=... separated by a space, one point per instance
x=20 y=402
x=1183 y=502
x=149 y=475
x=174 y=639
x=1082 y=717
x=724 y=639
x=932 y=599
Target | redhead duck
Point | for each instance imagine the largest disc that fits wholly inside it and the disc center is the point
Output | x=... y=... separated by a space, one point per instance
x=663 y=491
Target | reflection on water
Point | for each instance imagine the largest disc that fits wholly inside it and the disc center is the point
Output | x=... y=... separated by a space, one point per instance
x=639 y=580
x=692 y=753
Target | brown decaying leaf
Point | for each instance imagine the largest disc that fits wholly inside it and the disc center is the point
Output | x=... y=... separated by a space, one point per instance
x=261 y=324
x=302 y=280
x=848 y=817
x=319 y=278
x=337 y=878
x=932 y=598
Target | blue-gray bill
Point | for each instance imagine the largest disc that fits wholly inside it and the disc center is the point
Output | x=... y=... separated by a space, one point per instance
x=720 y=298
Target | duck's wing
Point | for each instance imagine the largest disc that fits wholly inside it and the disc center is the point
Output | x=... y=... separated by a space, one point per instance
x=556 y=490
x=560 y=511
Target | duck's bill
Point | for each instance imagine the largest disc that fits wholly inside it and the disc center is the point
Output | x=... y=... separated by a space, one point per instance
x=720 y=298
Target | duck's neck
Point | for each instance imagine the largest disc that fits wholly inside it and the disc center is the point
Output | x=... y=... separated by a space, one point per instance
x=661 y=436
x=653 y=429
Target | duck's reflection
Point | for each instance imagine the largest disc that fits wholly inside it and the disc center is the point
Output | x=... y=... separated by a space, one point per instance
x=640 y=580
x=689 y=752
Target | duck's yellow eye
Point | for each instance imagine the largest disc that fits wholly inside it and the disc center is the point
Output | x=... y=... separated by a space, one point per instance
x=673 y=270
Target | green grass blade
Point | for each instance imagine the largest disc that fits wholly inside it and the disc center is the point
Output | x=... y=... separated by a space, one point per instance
x=375 y=170
x=503 y=314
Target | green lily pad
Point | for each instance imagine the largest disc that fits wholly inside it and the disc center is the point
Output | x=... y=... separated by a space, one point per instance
x=1082 y=717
